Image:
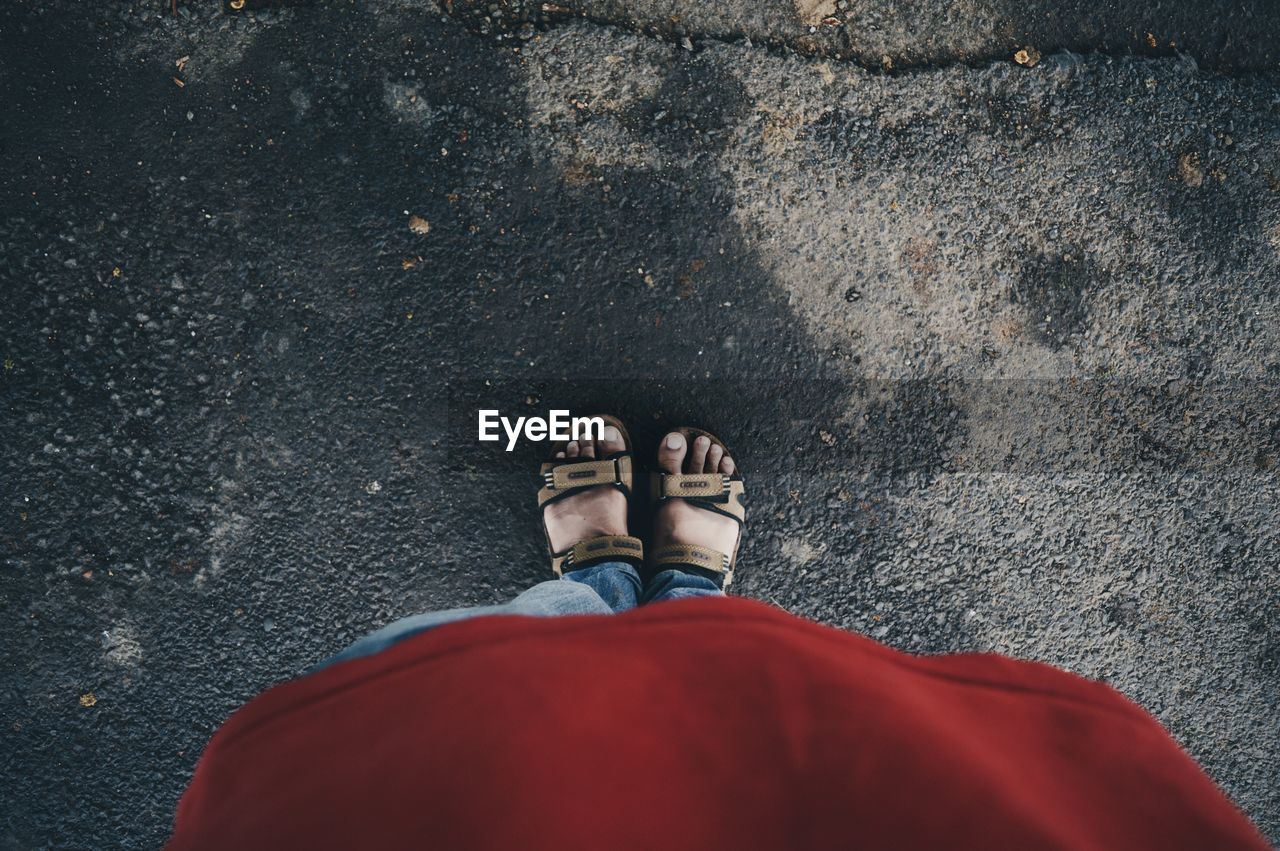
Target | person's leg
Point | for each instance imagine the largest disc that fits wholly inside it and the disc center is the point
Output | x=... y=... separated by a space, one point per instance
x=594 y=512
x=601 y=590
x=677 y=585
x=677 y=522
x=617 y=583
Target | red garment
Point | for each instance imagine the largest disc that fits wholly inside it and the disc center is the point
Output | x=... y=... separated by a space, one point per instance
x=704 y=723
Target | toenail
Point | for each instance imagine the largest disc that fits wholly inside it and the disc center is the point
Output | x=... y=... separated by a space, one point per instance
x=674 y=441
x=611 y=433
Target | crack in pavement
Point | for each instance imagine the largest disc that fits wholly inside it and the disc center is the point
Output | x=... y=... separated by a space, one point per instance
x=916 y=34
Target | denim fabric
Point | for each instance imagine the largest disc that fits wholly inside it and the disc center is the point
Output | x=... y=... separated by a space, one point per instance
x=602 y=589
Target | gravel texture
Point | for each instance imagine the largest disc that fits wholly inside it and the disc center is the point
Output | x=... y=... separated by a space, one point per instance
x=898 y=34
x=996 y=344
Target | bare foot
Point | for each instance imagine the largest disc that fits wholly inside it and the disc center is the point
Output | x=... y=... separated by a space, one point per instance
x=591 y=513
x=676 y=521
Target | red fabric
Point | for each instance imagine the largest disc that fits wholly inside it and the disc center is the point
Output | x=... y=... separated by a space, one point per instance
x=704 y=723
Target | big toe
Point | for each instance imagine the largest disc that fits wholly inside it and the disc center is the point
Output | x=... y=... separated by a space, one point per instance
x=671 y=453
x=612 y=441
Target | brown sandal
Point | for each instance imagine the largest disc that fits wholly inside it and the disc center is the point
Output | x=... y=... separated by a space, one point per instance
x=709 y=491
x=562 y=477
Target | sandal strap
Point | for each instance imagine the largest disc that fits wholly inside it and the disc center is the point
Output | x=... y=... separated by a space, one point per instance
x=694 y=556
x=712 y=491
x=562 y=478
x=596 y=550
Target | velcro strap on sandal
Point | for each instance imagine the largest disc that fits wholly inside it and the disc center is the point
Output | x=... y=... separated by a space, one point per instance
x=685 y=485
x=694 y=556
x=714 y=491
x=596 y=550
x=559 y=478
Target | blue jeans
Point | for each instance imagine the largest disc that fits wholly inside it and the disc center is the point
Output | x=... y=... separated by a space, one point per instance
x=602 y=589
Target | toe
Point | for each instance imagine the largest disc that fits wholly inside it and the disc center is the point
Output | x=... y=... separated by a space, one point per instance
x=612 y=441
x=559 y=456
x=698 y=454
x=714 y=454
x=571 y=449
x=588 y=448
x=727 y=466
x=671 y=453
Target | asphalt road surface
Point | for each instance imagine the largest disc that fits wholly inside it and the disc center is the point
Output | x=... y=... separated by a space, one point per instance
x=983 y=296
